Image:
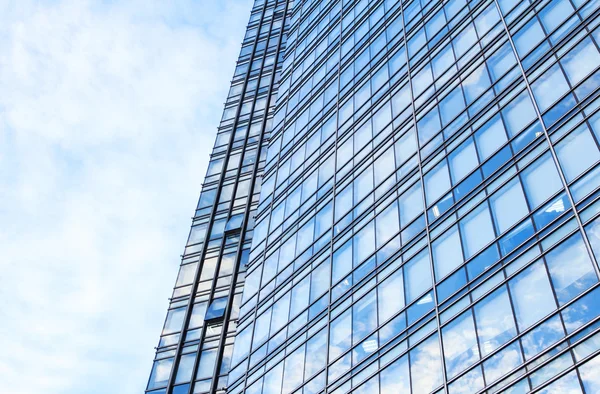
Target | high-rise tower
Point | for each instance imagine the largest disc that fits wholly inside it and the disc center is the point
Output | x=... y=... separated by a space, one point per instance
x=196 y=343
x=429 y=212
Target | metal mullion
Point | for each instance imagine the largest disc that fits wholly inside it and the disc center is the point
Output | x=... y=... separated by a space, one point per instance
x=427 y=234
x=239 y=248
x=252 y=317
x=333 y=193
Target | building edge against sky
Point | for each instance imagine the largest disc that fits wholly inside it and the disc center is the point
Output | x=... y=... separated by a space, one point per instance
x=428 y=219
x=196 y=342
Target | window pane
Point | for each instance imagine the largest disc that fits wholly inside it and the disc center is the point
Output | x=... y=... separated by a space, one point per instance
x=340 y=334
x=570 y=269
x=418 y=276
x=470 y=382
x=206 y=365
x=502 y=362
x=185 y=369
x=541 y=337
x=411 y=204
x=476 y=230
x=462 y=161
x=460 y=344
x=161 y=370
x=581 y=60
x=447 y=253
x=589 y=375
x=495 y=323
x=316 y=353
x=508 y=205
x=364 y=316
x=174 y=321
x=437 y=182
x=387 y=224
x=549 y=87
x=490 y=137
x=577 y=152
x=541 y=180
x=390 y=296
x=425 y=366
x=532 y=295
x=395 y=379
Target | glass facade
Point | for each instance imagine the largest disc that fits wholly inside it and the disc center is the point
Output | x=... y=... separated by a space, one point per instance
x=429 y=210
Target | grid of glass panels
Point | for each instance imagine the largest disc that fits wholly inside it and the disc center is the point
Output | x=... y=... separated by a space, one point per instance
x=196 y=343
x=429 y=217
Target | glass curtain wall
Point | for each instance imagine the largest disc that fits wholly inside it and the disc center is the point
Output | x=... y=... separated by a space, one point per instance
x=429 y=215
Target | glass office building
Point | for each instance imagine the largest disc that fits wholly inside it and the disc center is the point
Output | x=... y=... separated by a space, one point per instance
x=429 y=210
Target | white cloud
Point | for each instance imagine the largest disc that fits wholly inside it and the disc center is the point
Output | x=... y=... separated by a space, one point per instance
x=107 y=113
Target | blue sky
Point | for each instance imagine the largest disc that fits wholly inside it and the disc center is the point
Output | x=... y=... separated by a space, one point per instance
x=108 y=110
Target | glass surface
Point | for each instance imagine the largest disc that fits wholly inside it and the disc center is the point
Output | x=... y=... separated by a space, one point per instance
x=425 y=366
x=460 y=344
x=495 y=322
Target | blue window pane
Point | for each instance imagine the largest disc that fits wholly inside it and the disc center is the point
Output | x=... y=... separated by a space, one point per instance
x=542 y=337
x=364 y=243
x=387 y=224
x=476 y=83
x=476 y=230
x=482 y=262
x=589 y=375
x=518 y=114
x=426 y=366
x=460 y=344
x=582 y=310
x=437 y=181
x=395 y=377
x=340 y=334
x=451 y=284
x=272 y=382
x=174 y=321
x=490 y=137
x=447 y=253
x=581 y=60
x=342 y=261
x=411 y=204
x=549 y=87
x=452 y=105
x=495 y=323
x=364 y=316
x=508 y=205
x=206 y=366
x=593 y=232
x=462 y=161
x=528 y=37
x=470 y=382
x=185 y=368
x=417 y=276
x=502 y=362
x=428 y=126
x=217 y=308
x=405 y=147
x=555 y=13
x=571 y=269
x=390 y=295
x=161 y=370
x=532 y=295
x=541 y=180
x=501 y=61
x=316 y=353
x=577 y=152
x=567 y=384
